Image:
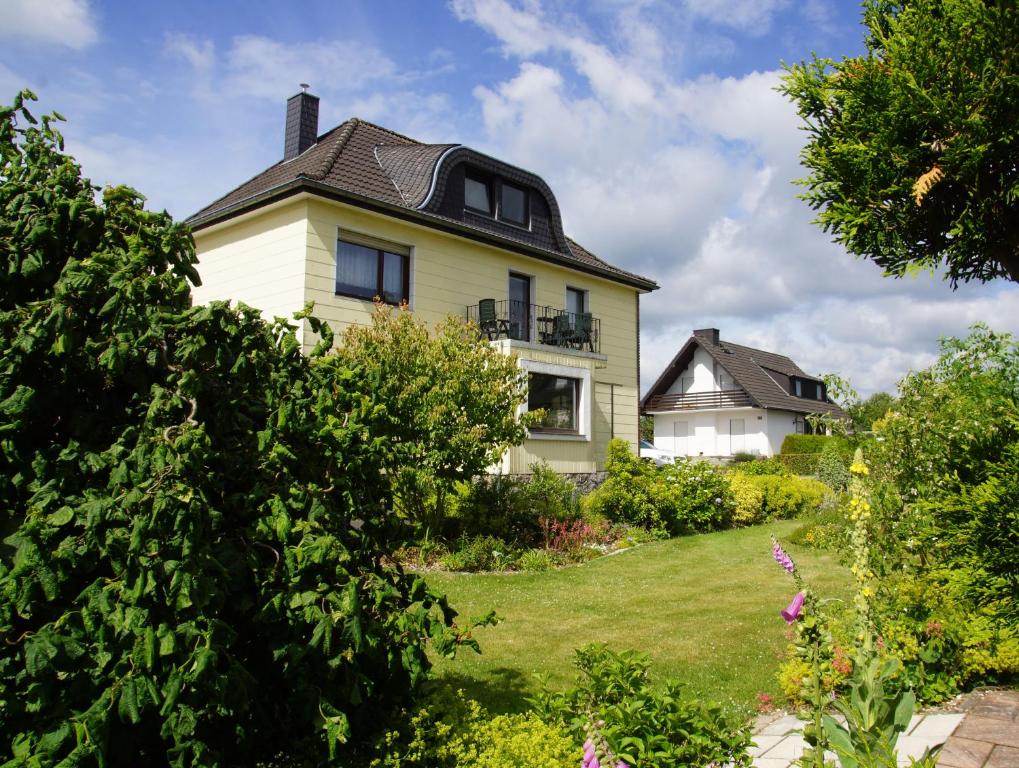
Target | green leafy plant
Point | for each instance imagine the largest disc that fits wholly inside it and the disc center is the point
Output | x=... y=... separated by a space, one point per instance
x=770 y=466
x=447 y=403
x=680 y=498
x=195 y=515
x=448 y=730
x=480 y=553
x=642 y=724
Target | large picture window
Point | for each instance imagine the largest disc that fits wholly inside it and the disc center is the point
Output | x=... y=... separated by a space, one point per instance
x=366 y=270
x=559 y=397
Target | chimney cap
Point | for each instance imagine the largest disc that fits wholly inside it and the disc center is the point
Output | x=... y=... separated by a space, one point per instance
x=304 y=87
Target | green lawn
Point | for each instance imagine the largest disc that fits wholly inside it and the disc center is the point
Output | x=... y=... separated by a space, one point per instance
x=705 y=608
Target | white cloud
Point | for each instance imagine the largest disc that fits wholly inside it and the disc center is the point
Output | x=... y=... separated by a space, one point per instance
x=751 y=16
x=689 y=181
x=266 y=68
x=68 y=23
x=522 y=32
x=199 y=53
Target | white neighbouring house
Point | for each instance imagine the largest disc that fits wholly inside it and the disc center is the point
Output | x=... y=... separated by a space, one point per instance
x=717 y=398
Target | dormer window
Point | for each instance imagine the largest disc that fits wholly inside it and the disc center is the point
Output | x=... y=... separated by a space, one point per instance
x=492 y=196
x=512 y=204
x=478 y=194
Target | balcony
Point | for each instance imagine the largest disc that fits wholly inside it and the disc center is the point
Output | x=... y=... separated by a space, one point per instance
x=726 y=398
x=534 y=323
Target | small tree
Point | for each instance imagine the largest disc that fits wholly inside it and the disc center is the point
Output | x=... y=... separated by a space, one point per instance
x=194 y=515
x=447 y=402
x=863 y=413
x=912 y=146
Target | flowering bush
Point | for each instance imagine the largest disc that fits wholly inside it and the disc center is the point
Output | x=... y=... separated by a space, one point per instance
x=878 y=708
x=684 y=497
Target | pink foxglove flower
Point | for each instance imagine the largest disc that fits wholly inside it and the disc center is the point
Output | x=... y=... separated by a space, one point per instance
x=791 y=613
x=782 y=558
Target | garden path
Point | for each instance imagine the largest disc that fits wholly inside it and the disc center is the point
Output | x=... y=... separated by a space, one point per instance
x=981 y=732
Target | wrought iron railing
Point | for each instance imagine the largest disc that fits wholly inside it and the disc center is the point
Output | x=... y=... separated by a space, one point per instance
x=508 y=319
x=726 y=398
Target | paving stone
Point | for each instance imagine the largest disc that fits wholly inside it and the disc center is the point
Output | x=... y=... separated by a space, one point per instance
x=912 y=747
x=914 y=721
x=770 y=762
x=764 y=743
x=1001 y=704
x=964 y=753
x=789 y=748
x=989 y=729
x=785 y=724
x=1003 y=757
x=937 y=728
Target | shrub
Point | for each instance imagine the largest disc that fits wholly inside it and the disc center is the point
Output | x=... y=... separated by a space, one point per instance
x=489 y=506
x=194 y=513
x=748 y=499
x=652 y=726
x=800 y=463
x=536 y=560
x=770 y=466
x=451 y=731
x=826 y=529
x=479 y=553
x=833 y=467
x=572 y=536
x=795 y=443
x=773 y=497
x=697 y=497
x=786 y=497
x=548 y=495
x=676 y=499
x=447 y=403
x=511 y=507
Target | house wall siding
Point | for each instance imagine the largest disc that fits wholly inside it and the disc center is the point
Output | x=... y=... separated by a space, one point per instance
x=256 y=260
x=447 y=274
x=702 y=370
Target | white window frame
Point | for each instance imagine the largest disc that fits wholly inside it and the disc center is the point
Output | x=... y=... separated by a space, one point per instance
x=583 y=405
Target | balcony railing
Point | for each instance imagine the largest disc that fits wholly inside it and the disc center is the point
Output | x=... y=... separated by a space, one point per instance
x=509 y=319
x=726 y=398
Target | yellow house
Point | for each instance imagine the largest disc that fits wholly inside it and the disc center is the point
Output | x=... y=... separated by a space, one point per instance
x=362 y=212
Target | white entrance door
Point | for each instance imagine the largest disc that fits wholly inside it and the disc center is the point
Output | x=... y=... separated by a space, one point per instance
x=680 y=433
x=737 y=436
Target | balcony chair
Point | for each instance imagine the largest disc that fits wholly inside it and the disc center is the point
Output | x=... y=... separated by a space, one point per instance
x=489 y=322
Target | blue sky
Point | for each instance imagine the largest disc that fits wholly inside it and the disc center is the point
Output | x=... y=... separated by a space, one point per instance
x=655 y=123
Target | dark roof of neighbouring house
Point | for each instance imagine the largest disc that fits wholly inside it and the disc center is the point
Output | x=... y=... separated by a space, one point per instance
x=371 y=166
x=756 y=371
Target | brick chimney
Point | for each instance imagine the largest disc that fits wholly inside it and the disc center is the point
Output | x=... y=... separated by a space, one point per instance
x=302 y=123
x=709 y=335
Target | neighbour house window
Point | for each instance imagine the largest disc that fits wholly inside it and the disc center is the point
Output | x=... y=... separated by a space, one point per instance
x=558 y=396
x=798 y=387
x=366 y=269
x=478 y=194
x=512 y=204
